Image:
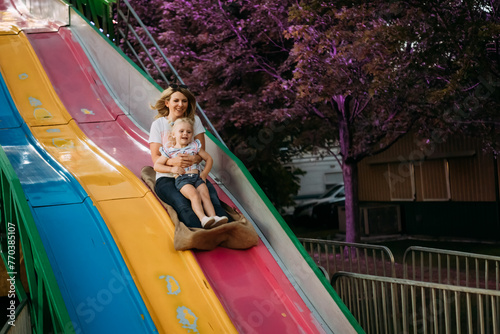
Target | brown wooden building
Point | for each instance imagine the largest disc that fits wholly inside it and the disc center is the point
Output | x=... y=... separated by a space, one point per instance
x=442 y=190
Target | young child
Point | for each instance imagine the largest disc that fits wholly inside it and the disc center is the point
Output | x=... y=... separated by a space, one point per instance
x=190 y=181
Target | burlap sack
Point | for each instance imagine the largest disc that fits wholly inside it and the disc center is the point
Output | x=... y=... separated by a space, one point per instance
x=238 y=234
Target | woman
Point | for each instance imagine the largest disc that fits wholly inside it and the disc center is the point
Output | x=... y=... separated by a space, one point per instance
x=177 y=102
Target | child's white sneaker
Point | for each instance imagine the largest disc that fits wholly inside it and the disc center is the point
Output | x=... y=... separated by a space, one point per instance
x=207 y=222
x=219 y=221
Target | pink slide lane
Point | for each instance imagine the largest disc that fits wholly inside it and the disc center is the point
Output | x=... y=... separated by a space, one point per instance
x=255 y=292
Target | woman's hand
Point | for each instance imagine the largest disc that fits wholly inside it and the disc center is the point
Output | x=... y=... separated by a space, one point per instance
x=184 y=160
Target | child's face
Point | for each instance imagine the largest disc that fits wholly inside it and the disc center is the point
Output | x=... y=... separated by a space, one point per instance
x=183 y=133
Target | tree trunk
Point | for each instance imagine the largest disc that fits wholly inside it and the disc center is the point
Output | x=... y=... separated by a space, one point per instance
x=350 y=172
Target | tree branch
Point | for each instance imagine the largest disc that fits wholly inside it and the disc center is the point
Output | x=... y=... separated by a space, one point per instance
x=366 y=153
x=258 y=60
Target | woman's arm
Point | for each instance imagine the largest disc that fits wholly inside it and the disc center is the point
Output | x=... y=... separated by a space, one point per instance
x=185 y=160
x=181 y=160
x=155 y=151
x=160 y=166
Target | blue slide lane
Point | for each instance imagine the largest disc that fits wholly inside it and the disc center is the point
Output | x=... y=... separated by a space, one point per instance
x=95 y=283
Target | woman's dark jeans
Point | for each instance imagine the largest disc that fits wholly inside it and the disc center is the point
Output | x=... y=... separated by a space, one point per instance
x=166 y=191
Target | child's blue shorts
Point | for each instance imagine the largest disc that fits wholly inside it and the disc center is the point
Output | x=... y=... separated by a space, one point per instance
x=193 y=179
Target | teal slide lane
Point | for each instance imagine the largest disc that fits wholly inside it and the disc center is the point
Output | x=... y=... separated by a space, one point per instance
x=96 y=286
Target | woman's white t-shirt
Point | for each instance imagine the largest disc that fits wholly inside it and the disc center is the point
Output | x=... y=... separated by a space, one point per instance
x=161 y=132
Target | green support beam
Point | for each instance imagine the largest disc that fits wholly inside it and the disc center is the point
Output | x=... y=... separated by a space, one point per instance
x=19 y=235
x=100 y=12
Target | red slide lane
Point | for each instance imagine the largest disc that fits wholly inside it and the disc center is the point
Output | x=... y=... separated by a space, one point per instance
x=251 y=286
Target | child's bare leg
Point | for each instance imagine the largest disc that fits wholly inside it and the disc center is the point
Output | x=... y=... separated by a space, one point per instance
x=193 y=195
x=209 y=207
x=205 y=199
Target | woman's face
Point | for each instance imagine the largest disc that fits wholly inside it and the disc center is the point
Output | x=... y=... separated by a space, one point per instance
x=177 y=105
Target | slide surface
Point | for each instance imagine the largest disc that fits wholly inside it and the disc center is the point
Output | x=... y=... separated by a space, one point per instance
x=253 y=298
x=91 y=275
x=70 y=111
x=170 y=283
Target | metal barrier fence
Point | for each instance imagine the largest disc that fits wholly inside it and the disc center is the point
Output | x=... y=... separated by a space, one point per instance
x=391 y=305
x=19 y=238
x=452 y=267
x=336 y=256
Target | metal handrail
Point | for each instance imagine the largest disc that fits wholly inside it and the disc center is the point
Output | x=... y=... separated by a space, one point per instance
x=124 y=35
x=354 y=257
x=18 y=231
x=452 y=267
x=394 y=305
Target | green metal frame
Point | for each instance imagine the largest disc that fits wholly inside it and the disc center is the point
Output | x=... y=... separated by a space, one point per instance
x=18 y=233
x=97 y=11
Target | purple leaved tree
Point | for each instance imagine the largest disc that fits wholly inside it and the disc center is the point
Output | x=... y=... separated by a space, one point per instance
x=318 y=74
x=372 y=72
x=233 y=56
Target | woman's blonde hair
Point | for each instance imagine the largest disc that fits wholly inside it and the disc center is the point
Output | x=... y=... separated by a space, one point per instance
x=162 y=109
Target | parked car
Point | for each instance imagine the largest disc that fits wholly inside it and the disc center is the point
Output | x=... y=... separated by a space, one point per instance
x=324 y=209
x=327 y=212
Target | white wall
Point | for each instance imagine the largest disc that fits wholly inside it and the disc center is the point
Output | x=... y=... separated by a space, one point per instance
x=320 y=174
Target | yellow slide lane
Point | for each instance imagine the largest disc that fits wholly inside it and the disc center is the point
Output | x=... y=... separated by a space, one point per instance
x=171 y=283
